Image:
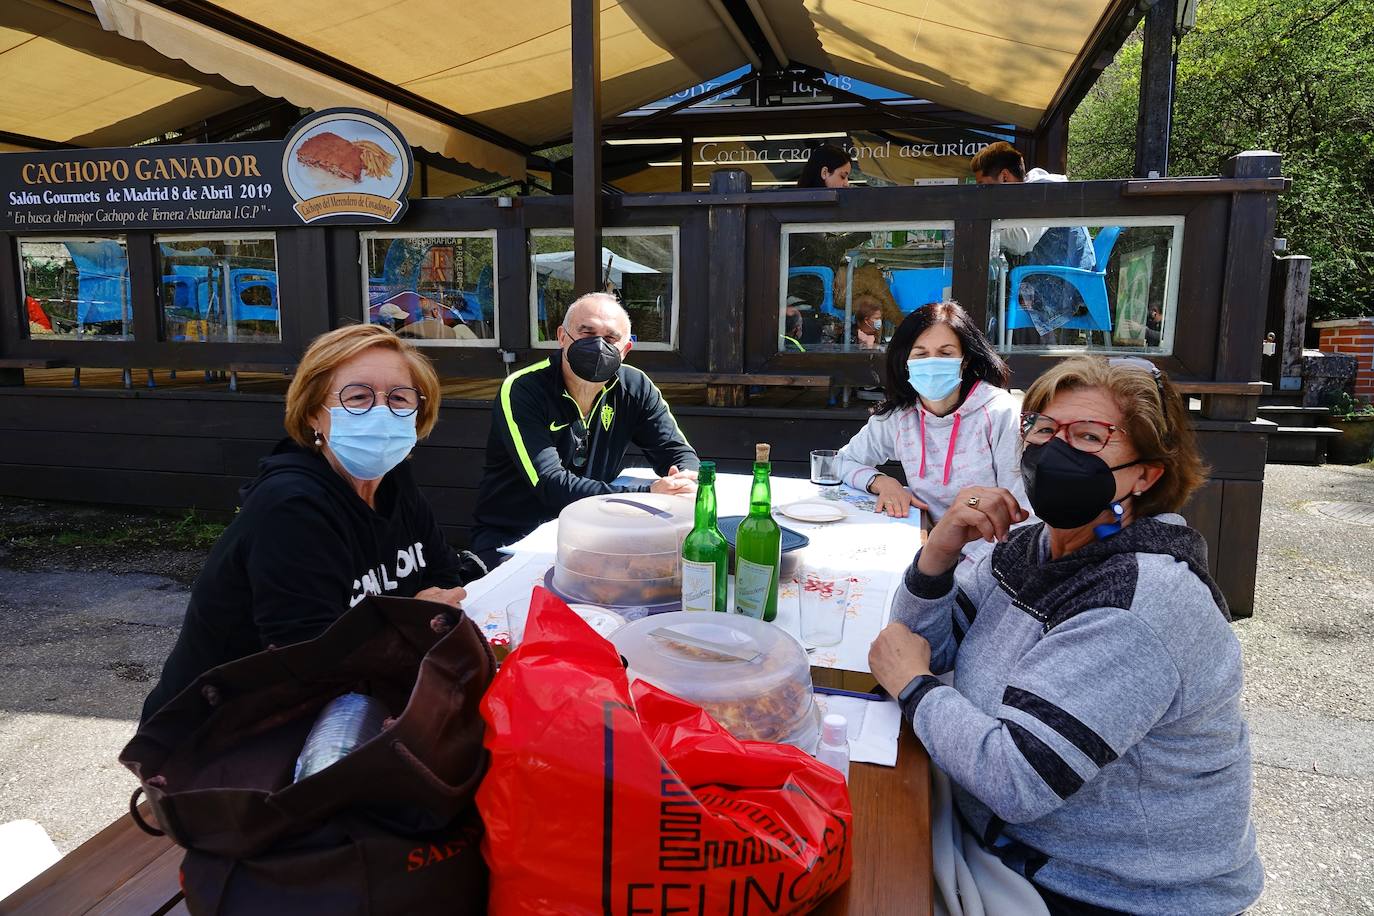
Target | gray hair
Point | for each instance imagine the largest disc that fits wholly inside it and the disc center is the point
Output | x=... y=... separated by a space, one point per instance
x=606 y=299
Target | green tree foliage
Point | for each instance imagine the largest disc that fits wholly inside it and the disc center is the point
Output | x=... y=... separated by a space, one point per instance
x=1293 y=76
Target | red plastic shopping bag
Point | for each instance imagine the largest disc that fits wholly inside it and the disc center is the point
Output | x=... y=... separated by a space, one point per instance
x=597 y=804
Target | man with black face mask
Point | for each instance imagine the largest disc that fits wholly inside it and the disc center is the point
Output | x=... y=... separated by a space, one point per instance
x=560 y=429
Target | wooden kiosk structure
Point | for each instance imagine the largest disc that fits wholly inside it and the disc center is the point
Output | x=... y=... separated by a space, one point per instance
x=193 y=443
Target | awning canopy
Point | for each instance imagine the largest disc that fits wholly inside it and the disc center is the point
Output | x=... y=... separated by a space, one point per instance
x=507 y=66
x=998 y=59
x=66 y=80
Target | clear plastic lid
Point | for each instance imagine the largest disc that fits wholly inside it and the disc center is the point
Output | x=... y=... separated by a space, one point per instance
x=625 y=524
x=752 y=677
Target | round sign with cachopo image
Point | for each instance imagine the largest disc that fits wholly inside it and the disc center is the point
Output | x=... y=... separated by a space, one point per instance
x=347 y=165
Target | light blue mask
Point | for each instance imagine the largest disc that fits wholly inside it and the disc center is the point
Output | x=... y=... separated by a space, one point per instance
x=935 y=377
x=370 y=444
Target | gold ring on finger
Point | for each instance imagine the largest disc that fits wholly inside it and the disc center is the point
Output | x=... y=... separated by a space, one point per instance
x=972 y=502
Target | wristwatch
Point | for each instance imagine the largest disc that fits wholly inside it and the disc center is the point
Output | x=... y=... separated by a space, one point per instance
x=871 y=481
x=914 y=692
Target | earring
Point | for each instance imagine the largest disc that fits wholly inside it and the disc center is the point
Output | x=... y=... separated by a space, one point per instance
x=1138 y=492
x=319 y=440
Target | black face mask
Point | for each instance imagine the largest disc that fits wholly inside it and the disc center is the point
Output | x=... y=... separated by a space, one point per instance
x=1067 y=488
x=593 y=359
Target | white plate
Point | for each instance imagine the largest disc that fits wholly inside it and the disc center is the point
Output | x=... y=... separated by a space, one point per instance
x=815 y=511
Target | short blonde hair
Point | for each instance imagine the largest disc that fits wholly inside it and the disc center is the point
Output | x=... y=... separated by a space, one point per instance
x=1154 y=417
x=310 y=386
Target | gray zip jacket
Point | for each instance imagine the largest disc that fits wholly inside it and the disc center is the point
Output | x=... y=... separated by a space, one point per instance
x=1093 y=733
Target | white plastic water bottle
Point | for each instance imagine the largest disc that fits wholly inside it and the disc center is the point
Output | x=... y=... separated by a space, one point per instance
x=834 y=749
x=345 y=724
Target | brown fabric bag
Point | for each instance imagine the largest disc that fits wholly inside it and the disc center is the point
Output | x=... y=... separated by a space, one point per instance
x=390 y=828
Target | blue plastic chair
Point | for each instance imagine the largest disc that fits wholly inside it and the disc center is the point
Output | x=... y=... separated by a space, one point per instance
x=920 y=286
x=243 y=279
x=102 y=282
x=827 y=278
x=1091 y=285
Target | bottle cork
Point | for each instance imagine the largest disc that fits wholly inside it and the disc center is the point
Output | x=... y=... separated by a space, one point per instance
x=762 y=451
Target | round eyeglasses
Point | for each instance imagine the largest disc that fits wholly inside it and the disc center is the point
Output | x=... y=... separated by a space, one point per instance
x=1089 y=436
x=359 y=399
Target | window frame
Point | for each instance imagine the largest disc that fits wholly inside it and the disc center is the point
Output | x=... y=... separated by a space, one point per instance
x=784 y=263
x=158 y=238
x=1171 y=284
x=122 y=238
x=673 y=343
x=364 y=254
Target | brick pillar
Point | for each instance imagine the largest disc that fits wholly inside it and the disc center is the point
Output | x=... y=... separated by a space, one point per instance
x=1354 y=336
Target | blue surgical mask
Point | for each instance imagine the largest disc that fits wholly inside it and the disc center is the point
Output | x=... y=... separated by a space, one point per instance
x=935 y=377
x=370 y=444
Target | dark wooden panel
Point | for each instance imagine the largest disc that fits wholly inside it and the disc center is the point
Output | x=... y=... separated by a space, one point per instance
x=1249 y=254
x=1203 y=513
x=1234 y=455
x=212 y=415
x=122 y=486
x=1201 y=270
x=144 y=288
x=762 y=293
x=113 y=449
x=726 y=305
x=972 y=242
x=1238 y=545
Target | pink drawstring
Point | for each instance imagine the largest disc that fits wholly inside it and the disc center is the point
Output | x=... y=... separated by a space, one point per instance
x=921 y=412
x=949 y=455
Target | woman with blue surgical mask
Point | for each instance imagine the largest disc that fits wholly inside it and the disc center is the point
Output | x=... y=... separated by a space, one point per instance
x=333 y=516
x=946 y=418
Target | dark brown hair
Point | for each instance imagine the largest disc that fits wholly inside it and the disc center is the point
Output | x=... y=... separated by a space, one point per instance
x=995 y=157
x=981 y=362
x=825 y=156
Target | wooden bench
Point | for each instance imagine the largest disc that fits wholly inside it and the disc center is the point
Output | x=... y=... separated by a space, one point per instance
x=122 y=871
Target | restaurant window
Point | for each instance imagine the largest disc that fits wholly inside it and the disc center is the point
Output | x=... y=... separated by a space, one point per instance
x=1110 y=286
x=639 y=266
x=77 y=288
x=846 y=286
x=219 y=288
x=438 y=289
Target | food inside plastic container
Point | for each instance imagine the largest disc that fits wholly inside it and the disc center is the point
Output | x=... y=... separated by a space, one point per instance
x=752 y=677
x=622 y=550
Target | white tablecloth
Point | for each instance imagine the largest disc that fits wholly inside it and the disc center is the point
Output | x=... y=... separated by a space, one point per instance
x=874 y=548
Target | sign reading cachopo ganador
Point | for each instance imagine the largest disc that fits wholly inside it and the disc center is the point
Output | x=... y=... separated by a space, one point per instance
x=341 y=166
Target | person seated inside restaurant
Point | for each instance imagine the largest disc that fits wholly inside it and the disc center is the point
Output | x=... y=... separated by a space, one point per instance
x=1093 y=734
x=561 y=427
x=827 y=167
x=946 y=417
x=1052 y=300
x=868 y=324
x=333 y=516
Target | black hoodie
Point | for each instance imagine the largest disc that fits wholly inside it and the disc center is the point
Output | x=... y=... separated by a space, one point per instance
x=303 y=549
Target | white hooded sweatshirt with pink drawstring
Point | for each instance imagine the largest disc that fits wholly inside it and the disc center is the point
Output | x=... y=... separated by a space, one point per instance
x=976 y=445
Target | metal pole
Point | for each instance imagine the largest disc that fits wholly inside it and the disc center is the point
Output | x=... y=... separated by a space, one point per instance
x=586 y=85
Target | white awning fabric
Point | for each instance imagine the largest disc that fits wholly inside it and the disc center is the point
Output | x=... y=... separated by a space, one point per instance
x=241 y=63
x=68 y=81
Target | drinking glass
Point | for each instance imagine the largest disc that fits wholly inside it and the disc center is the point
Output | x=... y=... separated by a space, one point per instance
x=824 y=598
x=825 y=467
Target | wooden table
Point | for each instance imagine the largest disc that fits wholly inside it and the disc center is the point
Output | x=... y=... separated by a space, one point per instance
x=122 y=871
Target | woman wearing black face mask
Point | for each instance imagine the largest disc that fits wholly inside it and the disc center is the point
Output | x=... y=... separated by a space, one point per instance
x=1094 y=723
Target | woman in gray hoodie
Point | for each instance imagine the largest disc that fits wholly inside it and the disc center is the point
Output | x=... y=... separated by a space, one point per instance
x=1093 y=734
x=946 y=417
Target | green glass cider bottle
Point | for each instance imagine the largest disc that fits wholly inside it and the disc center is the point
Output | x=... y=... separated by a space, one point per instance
x=758 y=547
x=705 y=553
